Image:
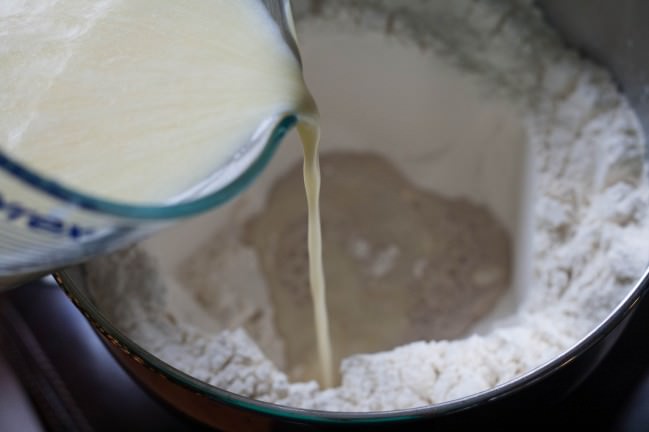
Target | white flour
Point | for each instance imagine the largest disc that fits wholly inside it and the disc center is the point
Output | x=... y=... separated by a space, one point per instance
x=588 y=246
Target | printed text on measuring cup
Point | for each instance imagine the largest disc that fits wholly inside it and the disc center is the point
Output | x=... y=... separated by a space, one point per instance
x=15 y=212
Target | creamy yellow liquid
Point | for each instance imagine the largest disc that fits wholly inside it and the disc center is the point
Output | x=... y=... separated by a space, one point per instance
x=310 y=136
x=139 y=100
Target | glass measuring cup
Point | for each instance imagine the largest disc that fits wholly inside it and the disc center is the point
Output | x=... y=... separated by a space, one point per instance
x=45 y=225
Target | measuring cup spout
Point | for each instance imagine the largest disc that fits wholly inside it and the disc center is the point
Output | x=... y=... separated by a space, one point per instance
x=282 y=13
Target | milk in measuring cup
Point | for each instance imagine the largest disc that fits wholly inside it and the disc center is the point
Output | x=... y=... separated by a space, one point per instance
x=130 y=102
x=137 y=101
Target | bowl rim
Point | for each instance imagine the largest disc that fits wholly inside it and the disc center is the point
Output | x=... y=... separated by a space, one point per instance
x=98 y=320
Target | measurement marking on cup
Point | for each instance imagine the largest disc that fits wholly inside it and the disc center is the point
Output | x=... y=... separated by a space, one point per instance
x=12 y=211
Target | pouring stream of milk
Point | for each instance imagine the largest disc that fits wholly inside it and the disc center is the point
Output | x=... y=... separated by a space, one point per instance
x=310 y=136
x=137 y=101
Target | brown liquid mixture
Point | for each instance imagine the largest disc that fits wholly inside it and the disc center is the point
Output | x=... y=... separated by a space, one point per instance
x=403 y=264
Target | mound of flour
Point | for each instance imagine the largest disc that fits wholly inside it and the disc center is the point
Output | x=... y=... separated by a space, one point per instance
x=590 y=226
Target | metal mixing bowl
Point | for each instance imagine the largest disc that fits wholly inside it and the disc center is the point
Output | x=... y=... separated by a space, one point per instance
x=613 y=33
